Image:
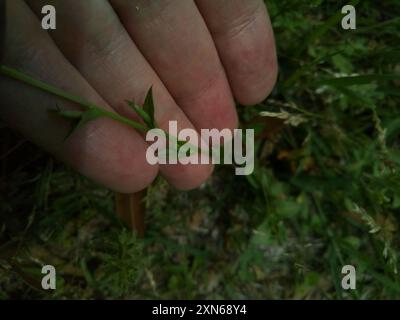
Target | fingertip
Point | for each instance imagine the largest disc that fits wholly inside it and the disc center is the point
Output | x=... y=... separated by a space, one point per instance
x=253 y=65
x=245 y=41
x=253 y=92
x=190 y=176
x=215 y=109
x=112 y=154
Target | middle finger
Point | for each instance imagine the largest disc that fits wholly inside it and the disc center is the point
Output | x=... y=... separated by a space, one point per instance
x=175 y=39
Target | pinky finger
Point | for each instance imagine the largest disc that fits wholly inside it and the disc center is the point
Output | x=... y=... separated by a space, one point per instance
x=244 y=38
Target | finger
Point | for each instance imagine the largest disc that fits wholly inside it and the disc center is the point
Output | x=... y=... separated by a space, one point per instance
x=106 y=151
x=243 y=35
x=106 y=56
x=174 y=38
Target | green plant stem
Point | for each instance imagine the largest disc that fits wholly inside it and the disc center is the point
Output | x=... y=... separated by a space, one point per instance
x=24 y=78
x=124 y=120
x=17 y=75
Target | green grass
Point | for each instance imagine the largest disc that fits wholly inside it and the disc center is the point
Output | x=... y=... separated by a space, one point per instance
x=325 y=191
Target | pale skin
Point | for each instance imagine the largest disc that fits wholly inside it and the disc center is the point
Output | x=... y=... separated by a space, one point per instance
x=199 y=56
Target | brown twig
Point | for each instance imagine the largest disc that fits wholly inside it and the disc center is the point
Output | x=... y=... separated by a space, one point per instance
x=131 y=209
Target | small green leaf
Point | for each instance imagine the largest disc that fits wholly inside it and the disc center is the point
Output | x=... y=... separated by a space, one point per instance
x=181 y=143
x=147 y=112
x=148 y=106
x=69 y=114
x=87 y=116
x=83 y=119
x=141 y=113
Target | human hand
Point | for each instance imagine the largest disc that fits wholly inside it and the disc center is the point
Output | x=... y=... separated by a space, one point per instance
x=197 y=55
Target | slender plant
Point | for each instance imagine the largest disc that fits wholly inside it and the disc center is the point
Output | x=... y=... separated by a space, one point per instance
x=90 y=111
